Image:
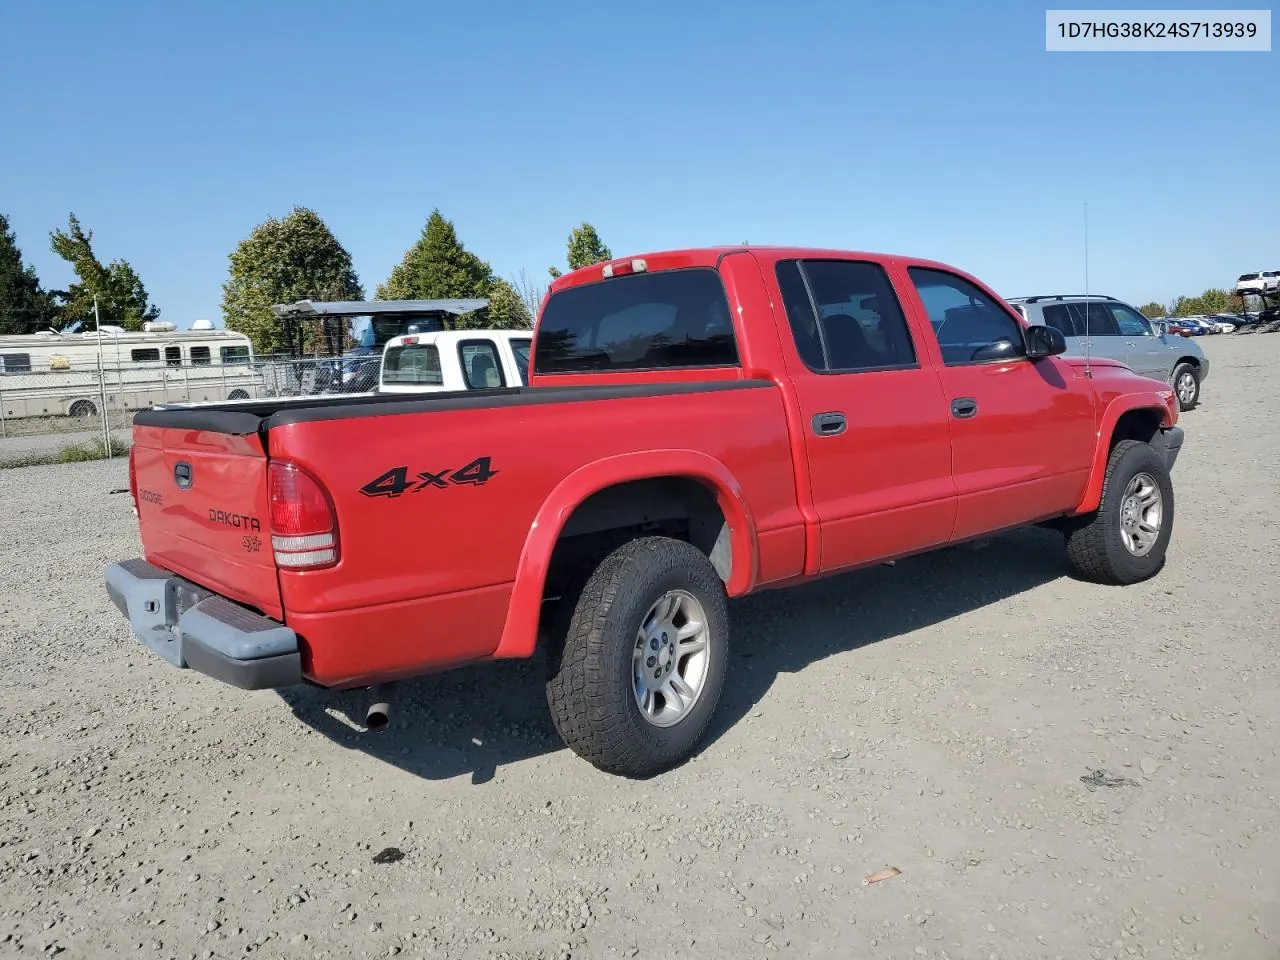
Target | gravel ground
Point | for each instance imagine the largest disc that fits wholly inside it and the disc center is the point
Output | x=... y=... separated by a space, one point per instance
x=940 y=717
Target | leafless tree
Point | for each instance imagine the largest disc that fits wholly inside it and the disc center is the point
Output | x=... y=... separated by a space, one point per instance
x=531 y=291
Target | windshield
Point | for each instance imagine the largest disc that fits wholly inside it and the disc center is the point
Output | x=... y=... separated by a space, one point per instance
x=414 y=365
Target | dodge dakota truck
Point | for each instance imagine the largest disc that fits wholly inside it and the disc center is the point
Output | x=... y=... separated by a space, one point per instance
x=697 y=425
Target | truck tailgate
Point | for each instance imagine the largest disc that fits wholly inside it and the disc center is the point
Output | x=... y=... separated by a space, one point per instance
x=203 y=511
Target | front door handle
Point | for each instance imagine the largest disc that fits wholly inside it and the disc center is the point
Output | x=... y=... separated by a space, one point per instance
x=964 y=407
x=829 y=424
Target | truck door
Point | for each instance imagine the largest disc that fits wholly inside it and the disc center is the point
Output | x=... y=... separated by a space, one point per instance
x=1022 y=431
x=873 y=412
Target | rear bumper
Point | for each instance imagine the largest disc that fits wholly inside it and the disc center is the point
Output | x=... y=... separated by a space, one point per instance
x=196 y=629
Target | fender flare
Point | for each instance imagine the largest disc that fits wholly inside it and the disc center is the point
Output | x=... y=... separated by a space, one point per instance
x=1155 y=401
x=520 y=631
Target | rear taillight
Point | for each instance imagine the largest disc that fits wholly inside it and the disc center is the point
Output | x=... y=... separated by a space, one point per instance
x=133 y=481
x=304 y=527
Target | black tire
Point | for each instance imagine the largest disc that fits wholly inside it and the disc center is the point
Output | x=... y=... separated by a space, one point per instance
x=1095 y=544
x=1181 y=370
x=238 y=395
x=82 y=408
x=591 y=689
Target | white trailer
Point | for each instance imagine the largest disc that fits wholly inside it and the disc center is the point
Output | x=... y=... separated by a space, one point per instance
x=71 y=374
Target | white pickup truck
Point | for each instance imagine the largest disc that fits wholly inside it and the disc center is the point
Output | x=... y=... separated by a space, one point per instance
x=455 y=360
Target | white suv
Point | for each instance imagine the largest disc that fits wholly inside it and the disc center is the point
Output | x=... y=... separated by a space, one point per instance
x=1265 y=281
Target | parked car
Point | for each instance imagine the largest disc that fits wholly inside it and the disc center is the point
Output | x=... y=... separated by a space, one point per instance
x=1200 y=326
x=1177 y=326
x=1224 y=322
x=455 y=360
x=698 y=425
x=1101 y=326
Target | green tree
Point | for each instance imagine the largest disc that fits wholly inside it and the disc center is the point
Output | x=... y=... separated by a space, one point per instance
x=506 y=310
x=584 y=248
x=1152 y=310
x=438 y=267
x=1211 y=301
x=281 y=261
x=25 y=307
x=122 y=299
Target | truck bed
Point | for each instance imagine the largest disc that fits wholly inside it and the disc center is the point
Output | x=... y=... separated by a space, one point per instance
x=437 y=499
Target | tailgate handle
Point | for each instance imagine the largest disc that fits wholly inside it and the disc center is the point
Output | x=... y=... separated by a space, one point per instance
x=182 y=475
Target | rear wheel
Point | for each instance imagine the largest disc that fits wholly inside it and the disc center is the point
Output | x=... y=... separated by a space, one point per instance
x=634 y=687
x=1186 y=384
x=1125 y=539
x=82 y=408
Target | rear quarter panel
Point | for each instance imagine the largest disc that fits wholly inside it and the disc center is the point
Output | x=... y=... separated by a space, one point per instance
x=426 y=574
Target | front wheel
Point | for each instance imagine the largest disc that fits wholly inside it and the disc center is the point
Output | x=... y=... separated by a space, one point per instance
x=1125 y=539
x=1186 y=384
x=634 y=687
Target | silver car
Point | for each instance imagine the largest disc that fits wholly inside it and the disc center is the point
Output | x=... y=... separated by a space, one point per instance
x=1106 y=327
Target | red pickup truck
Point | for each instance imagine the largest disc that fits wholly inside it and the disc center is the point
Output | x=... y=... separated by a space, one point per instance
x=698 y=425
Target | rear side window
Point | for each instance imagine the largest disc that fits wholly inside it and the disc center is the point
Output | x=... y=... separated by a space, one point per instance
x=1058 y=316
x=145 y=354
x=200 y=356
x=173 y=356
x=417 y=365
x=1094 y=320
x=481 y=368
x=859 y=324
x=647 y=321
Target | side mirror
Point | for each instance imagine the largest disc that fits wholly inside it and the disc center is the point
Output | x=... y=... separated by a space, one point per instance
x=1002 y=349
x=1044 y=342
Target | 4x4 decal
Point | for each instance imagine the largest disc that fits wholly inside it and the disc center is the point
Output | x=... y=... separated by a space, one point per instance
x=396 y=481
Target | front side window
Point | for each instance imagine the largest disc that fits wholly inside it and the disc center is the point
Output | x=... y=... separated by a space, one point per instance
x=1130 y=322
x=970 y=326
x=481 y=368
x=645 y=321
x=232 y=355
x=521 y=350
x=844 y=316
x=413 y=365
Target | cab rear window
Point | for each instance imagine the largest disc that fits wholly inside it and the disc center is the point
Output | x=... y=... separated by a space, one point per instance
x=648 y=321
x=416 y=365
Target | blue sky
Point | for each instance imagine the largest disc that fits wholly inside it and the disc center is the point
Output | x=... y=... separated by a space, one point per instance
x=940 y=130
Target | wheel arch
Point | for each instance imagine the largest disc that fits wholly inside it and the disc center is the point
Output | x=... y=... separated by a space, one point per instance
x=1140 y=417
x=615 y=494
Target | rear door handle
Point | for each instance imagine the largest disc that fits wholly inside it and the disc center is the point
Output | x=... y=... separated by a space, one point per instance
x=964 y=407
x=829 y=424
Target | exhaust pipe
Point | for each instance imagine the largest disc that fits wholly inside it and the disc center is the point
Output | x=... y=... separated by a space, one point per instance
x=379 y=713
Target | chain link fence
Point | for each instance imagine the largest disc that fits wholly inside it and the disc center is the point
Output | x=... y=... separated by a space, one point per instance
x=50 y=416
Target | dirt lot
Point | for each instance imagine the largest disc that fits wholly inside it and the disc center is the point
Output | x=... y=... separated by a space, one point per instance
x=937 y=717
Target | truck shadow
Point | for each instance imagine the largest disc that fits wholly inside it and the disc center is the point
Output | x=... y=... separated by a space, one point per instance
x=474 y=720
